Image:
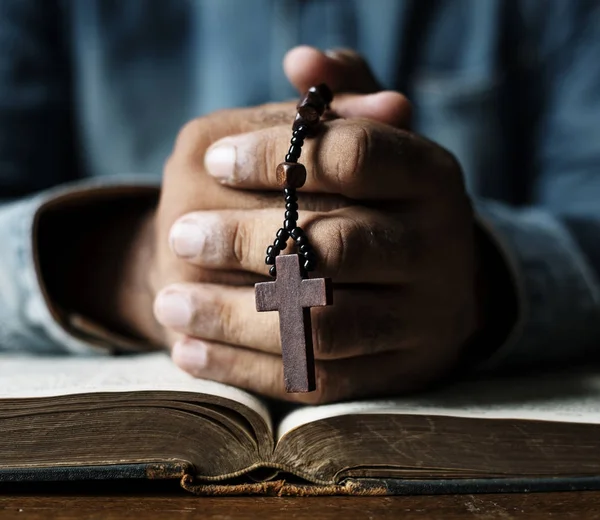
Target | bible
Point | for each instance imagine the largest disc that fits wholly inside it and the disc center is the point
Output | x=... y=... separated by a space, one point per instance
x=68 y=418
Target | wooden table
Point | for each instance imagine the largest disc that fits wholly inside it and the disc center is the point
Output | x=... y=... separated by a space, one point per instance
x=96 y=502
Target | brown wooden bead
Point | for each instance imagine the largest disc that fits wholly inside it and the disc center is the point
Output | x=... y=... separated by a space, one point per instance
x=302 y=121
x=311 y=107
x=291 y=175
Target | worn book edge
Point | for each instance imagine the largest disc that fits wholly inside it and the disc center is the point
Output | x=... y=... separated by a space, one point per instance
x=391 y=486
x=366 y=486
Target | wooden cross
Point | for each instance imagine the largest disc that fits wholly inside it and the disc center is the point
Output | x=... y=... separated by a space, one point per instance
x=293 y=296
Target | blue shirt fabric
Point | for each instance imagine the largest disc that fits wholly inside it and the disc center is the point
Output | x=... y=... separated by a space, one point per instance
x=94 y=92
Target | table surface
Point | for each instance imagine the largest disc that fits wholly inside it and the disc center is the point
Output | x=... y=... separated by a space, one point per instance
x=69 y=501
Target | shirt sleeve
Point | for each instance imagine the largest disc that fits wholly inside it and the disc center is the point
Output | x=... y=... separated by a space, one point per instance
x=552 y=246
x=29 y=319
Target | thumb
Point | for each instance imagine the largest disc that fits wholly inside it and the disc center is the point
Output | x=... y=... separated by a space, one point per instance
x=343 y=70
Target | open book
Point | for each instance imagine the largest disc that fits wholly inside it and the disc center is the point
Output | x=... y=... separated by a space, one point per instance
x=140 y=416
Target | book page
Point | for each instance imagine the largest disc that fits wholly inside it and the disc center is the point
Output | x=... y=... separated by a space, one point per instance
x=47 y=376
x=562 y=397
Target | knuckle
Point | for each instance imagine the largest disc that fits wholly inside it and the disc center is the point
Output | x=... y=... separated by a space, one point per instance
x=189 y=135
x=270 y=151
x=240 y=242
x=350 y=153
x=225 y=321
x=341 y=237
x=323 y=337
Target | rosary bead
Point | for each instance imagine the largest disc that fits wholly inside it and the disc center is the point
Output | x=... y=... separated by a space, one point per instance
x=296 y=232
x=291 y=215
x=324 y=92
x=279 y=244
x=311 y=106
x=283 y=234
x=302 y=122
x=291 y=175
x=291 y=206
x=310 y=256
x=272 y=251
x=289 y=192
x=308 y=265
x=270 y=260
x=291 y=158
x=302 y=241
x=273 y=271
x=295 y=150
x=297 y=140
x=301 y=132
x=305 y=247
x=290 y=225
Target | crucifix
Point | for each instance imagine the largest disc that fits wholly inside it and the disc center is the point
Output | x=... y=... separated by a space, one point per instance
x=293 y=293
x=293 y=296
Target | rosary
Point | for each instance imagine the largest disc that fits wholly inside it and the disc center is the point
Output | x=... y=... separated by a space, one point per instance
x=293 y=293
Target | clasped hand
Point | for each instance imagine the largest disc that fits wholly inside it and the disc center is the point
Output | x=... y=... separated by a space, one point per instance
x=390 y=222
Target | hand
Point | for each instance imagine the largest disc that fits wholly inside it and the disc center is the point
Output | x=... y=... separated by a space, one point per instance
x=388 y=216
x=146 y=264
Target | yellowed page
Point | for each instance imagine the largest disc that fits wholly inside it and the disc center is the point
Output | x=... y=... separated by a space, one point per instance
x=563 y=397
x=47 y=376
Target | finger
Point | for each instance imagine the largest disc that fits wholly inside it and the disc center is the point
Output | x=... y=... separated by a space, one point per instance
x=387 y=107
x=237 y=241
x=361 y=322
x=343 y=70
x=359 y=159
x=383 y=374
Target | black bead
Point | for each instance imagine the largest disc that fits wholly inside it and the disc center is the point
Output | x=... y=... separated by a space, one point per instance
x=305 y=247
x=270 y=260
x=291 y=158
x=297 y=140
x=289 y=225
x=310 y=256
x=308 y=265
x=273 y=271
x=272 y=251
x=302 y=240
x=283 y=234
x=291 y=206
x=279 y=244
x=295 y=151
x=291 y=198
x=291 y=215
x=296 y=232
x=289 y=192
x=301 y=132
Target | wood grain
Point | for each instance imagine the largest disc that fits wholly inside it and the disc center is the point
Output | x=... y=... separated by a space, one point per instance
x=293 y=296
x=36 y=503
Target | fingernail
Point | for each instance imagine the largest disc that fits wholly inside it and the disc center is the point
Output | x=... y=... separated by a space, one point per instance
x=173 y=309
x=332 y=53
x=200 y=235
x=187 y=238
x=339 y=54
x=190 y=354
x=229 y=160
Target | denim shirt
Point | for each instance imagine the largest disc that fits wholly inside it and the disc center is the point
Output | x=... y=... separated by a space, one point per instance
x=93 y=93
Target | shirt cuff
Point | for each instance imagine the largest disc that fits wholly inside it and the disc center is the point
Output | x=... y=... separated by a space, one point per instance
x=558 y=293
x=68 y=330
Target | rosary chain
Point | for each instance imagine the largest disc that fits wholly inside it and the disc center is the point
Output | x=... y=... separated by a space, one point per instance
x=293 y=175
